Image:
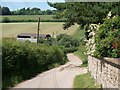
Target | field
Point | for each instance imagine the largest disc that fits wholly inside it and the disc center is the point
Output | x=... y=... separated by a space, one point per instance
x=13 y=29
x=31 y=18
x=28 y=17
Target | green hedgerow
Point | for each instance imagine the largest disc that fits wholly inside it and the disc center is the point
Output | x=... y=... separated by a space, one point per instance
x=24 y=59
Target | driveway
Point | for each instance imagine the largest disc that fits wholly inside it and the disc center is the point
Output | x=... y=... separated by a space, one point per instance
x=60 y=77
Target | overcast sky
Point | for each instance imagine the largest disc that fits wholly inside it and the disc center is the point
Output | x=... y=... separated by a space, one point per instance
x=18 y=4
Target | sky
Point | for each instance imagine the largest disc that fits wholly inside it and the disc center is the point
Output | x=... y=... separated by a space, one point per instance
x=18 y=4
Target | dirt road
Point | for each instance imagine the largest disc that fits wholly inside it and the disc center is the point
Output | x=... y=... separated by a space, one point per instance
x=61 y=77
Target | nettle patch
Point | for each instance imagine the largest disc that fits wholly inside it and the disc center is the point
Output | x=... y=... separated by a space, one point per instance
x=107 y=39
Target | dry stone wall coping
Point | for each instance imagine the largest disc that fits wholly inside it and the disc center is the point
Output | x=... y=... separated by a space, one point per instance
x=113 y=60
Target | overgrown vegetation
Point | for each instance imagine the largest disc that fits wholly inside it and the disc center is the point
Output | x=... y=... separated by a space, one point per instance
x=66 y=42
x=85 y=81
x=108 y=39
x=80 y=36
x=23 y=60
x=6 y=20
x=81 y=54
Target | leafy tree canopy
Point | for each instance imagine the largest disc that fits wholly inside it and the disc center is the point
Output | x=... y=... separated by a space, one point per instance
x=84 y=13
x=26 y=11
x=4 y=11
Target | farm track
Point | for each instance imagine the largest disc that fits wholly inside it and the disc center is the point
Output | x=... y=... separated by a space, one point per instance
x=61 y=77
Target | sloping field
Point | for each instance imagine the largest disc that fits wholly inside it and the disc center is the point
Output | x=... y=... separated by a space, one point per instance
x=13 y=29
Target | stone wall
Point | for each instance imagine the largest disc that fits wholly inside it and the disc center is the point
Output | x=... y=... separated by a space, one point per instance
x=105 y=71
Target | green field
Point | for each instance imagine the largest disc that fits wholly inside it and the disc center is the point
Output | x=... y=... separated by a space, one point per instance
x=31 y=18
x=13 y=29
x=28 y=17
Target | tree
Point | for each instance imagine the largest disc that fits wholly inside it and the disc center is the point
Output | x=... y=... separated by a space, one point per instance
x=84 y=13
x=6 y=11
x=48 y=12
x=36 y=11
x=22 y=11
x=0 y=10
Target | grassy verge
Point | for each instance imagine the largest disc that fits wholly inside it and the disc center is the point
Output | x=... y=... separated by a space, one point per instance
x=79 y=34
x=85 y=81
x=81 y=55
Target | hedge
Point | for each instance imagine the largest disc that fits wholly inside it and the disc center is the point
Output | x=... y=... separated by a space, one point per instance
x=7 y=20
x=26 y=59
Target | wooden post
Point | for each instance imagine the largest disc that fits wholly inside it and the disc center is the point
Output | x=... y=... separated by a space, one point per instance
x=38 y=30
x=56 y=39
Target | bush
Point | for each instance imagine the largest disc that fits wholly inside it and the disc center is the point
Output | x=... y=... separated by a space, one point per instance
x=67 y=41
x=6 y=20
x=50 y=41
x=70 y=50
x=24 y=59
x=108 y=39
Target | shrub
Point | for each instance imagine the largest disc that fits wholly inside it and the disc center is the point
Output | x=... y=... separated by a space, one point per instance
x=25 y=59
x=70 y=50
x=6 y=20
x=50 y=41
x=108 y=39
x=67 y=41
